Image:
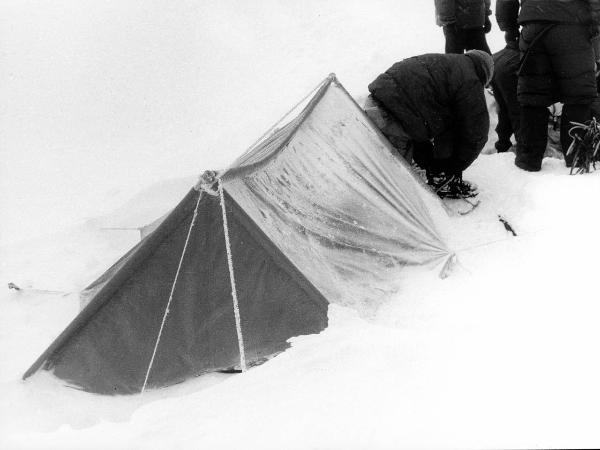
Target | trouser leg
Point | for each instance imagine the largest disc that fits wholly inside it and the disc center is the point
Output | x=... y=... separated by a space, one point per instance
x=504 y=129
x=475 y=40
x=455 y=39
x=558 y=66
x=572 y=113
x=533 y=136
x=444 y=153
x=390 y=128
x=423 y=155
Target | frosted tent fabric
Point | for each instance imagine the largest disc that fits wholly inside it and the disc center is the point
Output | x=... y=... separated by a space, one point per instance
x=336 y=201
x=107 y=348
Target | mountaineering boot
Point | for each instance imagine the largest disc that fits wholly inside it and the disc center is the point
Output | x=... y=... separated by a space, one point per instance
x=459 y=188
x=532 y=139
x=451 y=186
x=435 y=180
x=503 y=145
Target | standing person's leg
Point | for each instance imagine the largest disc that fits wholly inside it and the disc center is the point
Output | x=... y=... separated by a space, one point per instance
x=509 y=91
x=455 y=39
x=504 y=129
x=532 y=138
x=536 y=91
x=572 y=58
x=504 y=84
x=475 y=40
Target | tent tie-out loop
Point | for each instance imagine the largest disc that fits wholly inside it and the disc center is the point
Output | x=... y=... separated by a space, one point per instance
x=236 y=309
x=167 y=308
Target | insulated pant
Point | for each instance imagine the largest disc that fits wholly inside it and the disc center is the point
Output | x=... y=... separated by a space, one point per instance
x=459 y=40
x=533 y=136
x=390 y=128
x=557 y=65
x=504 y=86
x=443 y=155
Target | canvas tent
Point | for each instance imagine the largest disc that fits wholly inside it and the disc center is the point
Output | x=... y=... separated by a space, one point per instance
x=318 y=211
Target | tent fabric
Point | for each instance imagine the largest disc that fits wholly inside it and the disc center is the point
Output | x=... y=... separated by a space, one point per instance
x=320 y=211
x=261 y=151
x=340 y=205
x=109 y=353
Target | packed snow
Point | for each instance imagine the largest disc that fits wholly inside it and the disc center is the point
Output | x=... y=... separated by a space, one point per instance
x=503 y=353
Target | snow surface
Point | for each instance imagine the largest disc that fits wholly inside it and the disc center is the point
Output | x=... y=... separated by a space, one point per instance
x=501 y=354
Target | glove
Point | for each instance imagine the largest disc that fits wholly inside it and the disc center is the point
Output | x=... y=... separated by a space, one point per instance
x=487 y=27
x=511 y=37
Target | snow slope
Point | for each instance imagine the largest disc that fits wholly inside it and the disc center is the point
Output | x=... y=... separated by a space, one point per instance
x=501 y=354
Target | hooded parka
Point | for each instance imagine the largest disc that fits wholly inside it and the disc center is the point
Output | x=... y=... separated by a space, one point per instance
x=440 y=98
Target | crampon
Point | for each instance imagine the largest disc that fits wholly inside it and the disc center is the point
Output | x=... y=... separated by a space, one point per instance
x=584 y=147
x=455 y=188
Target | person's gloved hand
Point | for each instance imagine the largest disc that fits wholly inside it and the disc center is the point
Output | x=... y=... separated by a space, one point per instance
x=487 y=27
x=511 y=37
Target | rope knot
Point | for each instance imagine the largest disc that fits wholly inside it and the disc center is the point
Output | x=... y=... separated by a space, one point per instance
x=207 y=182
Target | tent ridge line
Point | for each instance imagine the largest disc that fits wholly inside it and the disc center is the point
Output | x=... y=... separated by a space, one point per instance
x=240 y=171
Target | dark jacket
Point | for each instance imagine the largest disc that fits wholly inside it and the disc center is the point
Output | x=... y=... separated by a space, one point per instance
x=462 y=13
x=585 y=12
x=432 y=95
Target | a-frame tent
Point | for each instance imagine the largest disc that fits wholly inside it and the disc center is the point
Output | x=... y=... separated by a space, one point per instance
x=319 y=211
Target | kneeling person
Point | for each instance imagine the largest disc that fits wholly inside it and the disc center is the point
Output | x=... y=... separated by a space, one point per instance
x=437 y=102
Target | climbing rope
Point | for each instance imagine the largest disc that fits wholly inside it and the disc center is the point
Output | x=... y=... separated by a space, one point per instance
x=166 y=313
x=236 y=309
x=584 y=146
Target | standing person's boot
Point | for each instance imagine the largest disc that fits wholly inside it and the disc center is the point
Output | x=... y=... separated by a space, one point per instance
x=572 y=113
x=532 y=139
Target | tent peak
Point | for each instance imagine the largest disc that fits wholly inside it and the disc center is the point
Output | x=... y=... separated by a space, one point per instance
x=207 y=182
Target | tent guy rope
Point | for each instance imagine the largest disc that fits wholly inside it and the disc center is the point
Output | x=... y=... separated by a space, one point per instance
x=166 y=313
x=236 y=309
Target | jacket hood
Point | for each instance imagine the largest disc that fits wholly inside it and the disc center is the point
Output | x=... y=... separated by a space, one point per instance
x=484 y=65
